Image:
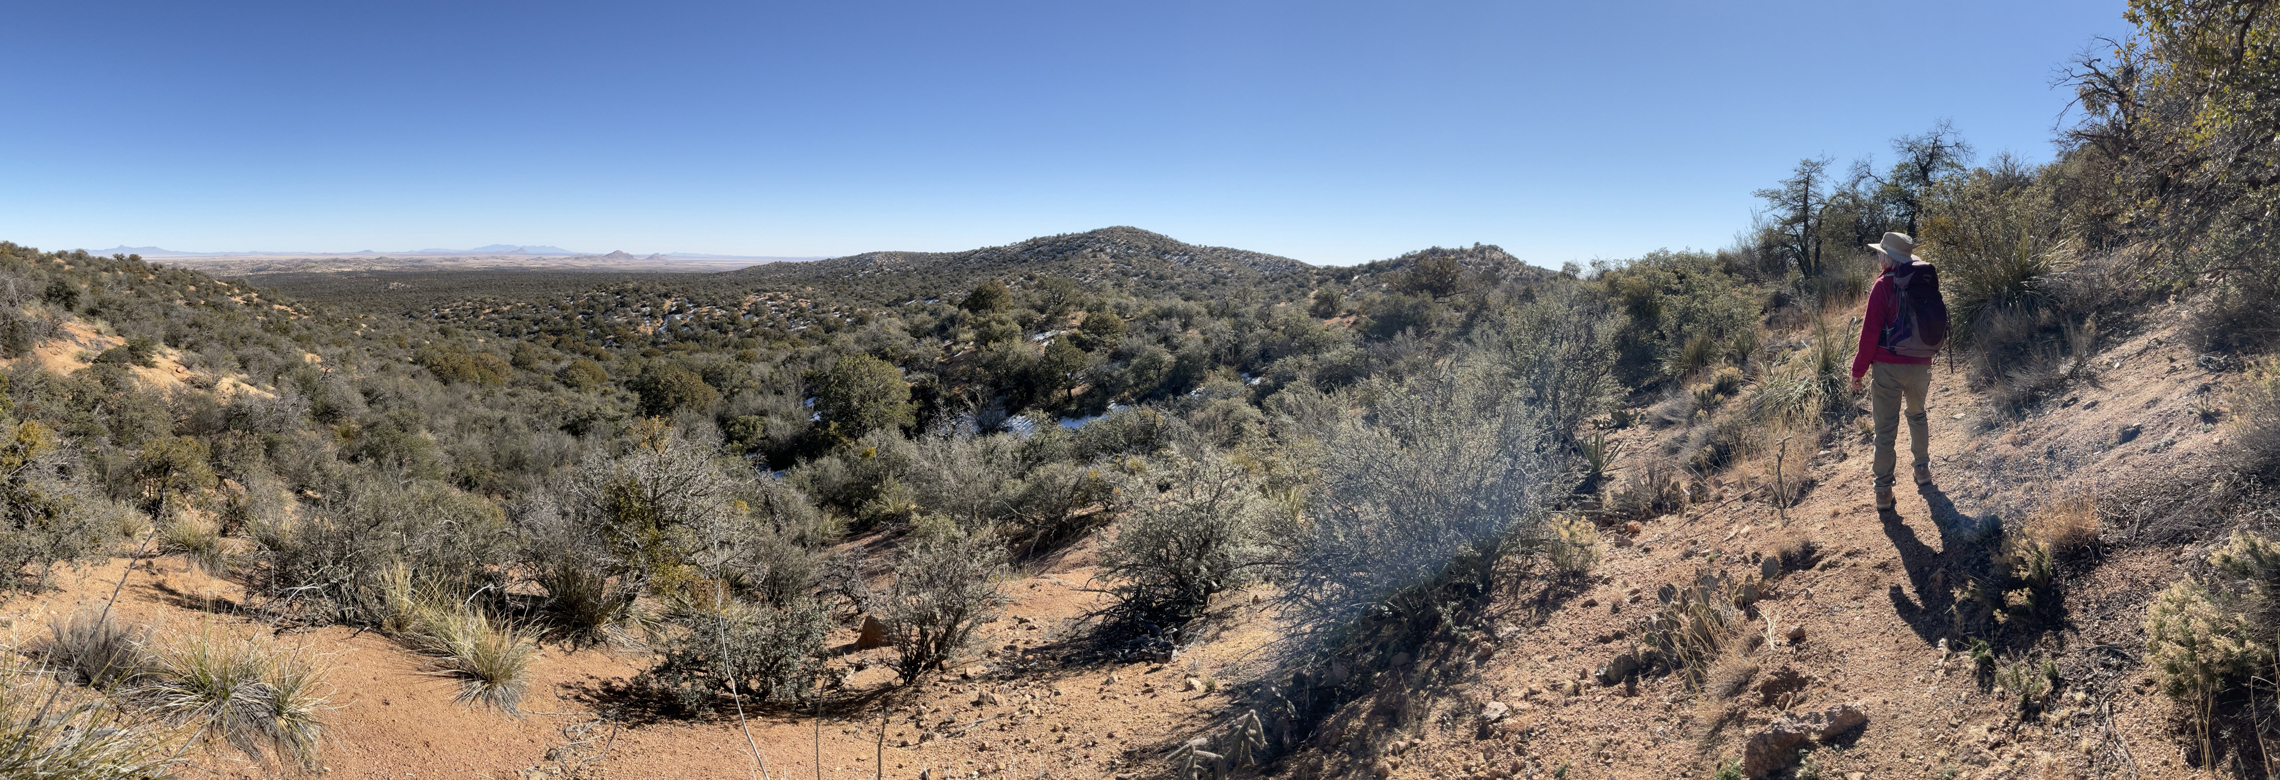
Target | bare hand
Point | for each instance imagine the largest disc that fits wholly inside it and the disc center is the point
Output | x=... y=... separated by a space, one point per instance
x=1856 y=385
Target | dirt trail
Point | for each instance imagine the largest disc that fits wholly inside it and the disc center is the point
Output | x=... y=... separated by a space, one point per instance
x=1873 y=613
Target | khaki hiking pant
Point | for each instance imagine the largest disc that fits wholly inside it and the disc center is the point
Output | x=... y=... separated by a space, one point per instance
x=1893 y=383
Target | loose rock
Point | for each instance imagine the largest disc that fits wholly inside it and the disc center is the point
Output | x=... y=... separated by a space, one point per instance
x=873 y=634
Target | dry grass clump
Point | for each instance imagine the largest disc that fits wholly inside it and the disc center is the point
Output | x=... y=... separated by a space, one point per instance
x=1784 y=463
x=490 y=659
x=2066 y=527
x=199 y=538
x=263 y=700
x=96 y=650
x=49 y=731
x=586 y=607
x=1653 y=491
x=2256 y=421
x=1796 y=552
x=1694 y=628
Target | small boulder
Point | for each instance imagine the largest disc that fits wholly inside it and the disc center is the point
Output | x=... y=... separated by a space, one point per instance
x=1494 y=711
x=1775 y=748
x=1780 y=686
x=873 y=634
x=1796 y=634
x=1834 y=721
x=1192 y=684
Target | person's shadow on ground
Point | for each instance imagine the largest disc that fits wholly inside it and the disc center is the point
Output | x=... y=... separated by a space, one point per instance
x=1934 y=574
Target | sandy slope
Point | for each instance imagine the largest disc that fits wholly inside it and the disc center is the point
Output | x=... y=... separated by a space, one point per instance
x=1872 y=612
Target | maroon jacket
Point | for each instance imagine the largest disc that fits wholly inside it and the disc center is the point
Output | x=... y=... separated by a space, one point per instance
x=1882 y=301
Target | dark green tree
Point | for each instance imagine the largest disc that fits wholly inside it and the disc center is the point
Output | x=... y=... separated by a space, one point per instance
x=666 y=388
x=987 y=297
x=860 y=394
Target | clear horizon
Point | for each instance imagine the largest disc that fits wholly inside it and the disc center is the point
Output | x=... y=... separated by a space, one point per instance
x=1332 y=133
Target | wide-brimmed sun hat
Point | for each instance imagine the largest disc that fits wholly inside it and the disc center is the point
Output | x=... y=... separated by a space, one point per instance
x=1898 y=247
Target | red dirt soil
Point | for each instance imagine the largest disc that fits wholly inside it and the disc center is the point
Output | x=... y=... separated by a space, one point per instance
x=1868 y=613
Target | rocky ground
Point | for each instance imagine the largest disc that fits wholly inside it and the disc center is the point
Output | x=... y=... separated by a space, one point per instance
x=1849 y=653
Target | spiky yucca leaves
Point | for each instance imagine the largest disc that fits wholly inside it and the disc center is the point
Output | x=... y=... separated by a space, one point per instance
x=199 y=539
x=588 y=608
x=263 y=700
x=49 y=731
x=97 y=650
x=491 y=659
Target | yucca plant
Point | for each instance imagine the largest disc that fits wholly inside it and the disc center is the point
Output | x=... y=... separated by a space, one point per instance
x=97 y=650
x=49 y=731
x=491 y=659
x=258 y=698
x=1599 y=456
x=199 y=539
x=587 y=608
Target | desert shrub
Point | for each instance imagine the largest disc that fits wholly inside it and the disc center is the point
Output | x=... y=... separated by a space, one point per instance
x=1998 y=242
x=48 y=730
x=1652 y=491
x=96 y=650
x=456 y=365
x=491 y=660
x=332 y=565
x=138 y=351
x=960 y=475
x=945 y=586
x=47 y=520
x=198 y=538
x=731 y=646
x=647 y=511
x=1574 y=546
x=245 y=691
x=667 y=388
x=22 y=328
x=861 y=394
x=1179 y=545
x=2256 y=422
x=869 y=478
x=1049 y=504
x=583 y=374
x=1679 y=307
x=1419 y=499
x=2205 y=639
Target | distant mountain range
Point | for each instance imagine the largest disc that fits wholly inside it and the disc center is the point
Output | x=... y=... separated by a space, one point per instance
x=490 y=250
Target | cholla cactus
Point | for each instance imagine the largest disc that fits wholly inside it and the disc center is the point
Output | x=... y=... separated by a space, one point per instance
x=2197 y=648
x=1577 y=547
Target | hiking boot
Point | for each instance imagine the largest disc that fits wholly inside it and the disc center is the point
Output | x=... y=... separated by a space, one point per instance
x=1884 y=499
x=1924 y=476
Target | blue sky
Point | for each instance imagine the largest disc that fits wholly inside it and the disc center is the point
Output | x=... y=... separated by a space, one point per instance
x=1332 y=132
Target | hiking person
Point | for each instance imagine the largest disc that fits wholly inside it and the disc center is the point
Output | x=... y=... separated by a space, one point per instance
x=1904 y=326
